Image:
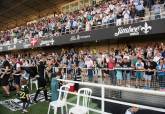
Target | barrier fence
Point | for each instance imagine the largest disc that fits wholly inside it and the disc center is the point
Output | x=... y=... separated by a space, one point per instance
x=127 y=77
x=103 y=99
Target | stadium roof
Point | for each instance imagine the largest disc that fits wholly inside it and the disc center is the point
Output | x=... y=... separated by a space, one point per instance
x=17 y=12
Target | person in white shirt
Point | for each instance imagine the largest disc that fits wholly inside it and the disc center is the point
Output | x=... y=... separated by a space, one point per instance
x=126 y=14
x=132 y=110
x=157 y=57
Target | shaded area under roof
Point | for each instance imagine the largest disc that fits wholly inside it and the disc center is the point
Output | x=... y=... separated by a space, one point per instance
x=17 y=12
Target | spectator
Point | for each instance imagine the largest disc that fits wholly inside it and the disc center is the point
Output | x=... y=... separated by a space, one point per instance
x=140 y=9
x=132 y=110
x=126 y=74
x=126 y=15
x=139 y=73
x=111 y=66
x=150 y=66
x=157 y=10
x=161 y=74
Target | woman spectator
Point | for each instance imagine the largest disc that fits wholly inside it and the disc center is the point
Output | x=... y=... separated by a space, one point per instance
x=119 y=76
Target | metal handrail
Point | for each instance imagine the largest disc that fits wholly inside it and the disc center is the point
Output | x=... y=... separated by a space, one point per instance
x=103 y=99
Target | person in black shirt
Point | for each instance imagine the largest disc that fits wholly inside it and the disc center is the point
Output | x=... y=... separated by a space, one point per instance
x=149 y=66
x=126 y=73
x=24 y=97
x=17 y=76
x=5 y=75
x=41 y=81
x=77 y=76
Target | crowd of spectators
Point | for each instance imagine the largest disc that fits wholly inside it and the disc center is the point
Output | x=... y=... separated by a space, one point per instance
x=111 y=12
x=143 y=67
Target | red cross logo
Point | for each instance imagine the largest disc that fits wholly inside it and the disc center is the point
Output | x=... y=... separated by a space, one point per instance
x=33 y=41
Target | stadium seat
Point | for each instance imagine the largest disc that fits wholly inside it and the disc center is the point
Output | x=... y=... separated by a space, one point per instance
x=85 y=93
x=61 y=102
x=33 y=81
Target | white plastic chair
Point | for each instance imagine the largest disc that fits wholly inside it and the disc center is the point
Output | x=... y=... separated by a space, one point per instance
x=33 y=81
x=85 y=93
x=61 y=102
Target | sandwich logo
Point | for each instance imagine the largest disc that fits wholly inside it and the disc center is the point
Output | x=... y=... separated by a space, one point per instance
x=134 y=30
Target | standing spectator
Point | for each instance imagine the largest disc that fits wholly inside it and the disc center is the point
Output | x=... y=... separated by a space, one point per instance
x=88 y=26
x=139 y=73
x=41 y=81
x=140 y=9
x=119 y=76
x=161 y=74
x=157 y=57
x=126 y=73
x=89 y=64
x=163 y=52
x=119 y=19
x=77 y=76
x=133 y=13
x=126 y=15
x=157 y=10
x=149 y=67
x=111 y=66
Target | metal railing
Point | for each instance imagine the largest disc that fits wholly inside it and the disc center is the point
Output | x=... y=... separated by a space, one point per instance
x=127 y=76
x=103 y=99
